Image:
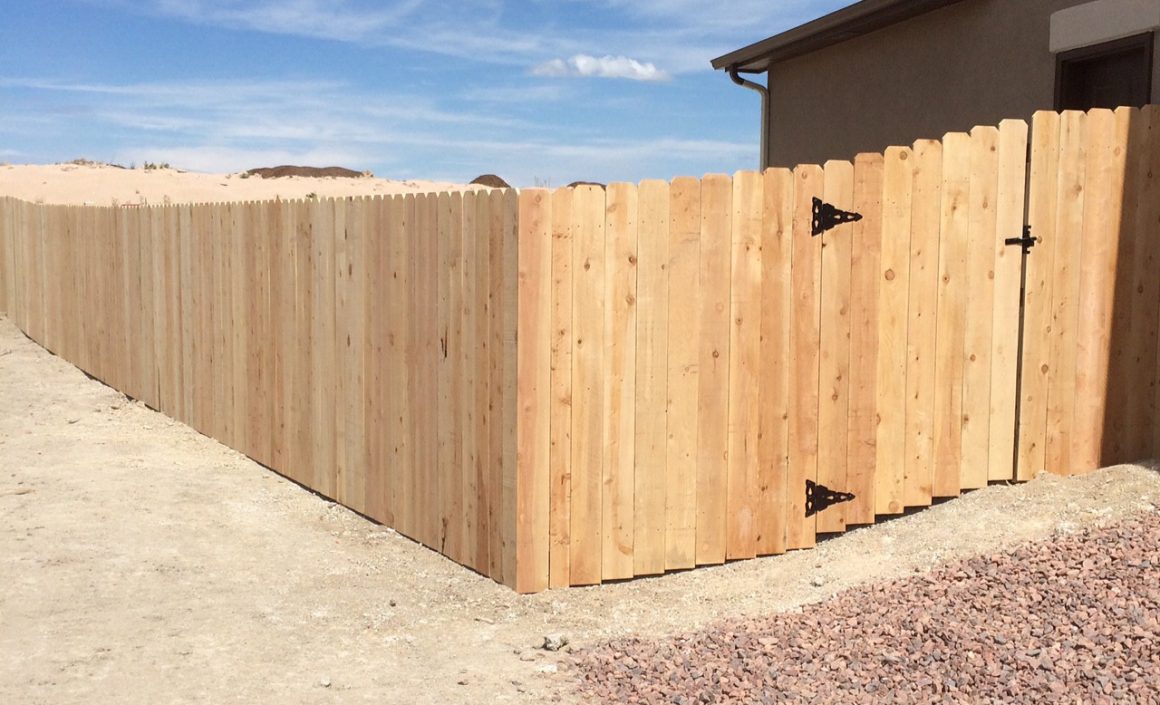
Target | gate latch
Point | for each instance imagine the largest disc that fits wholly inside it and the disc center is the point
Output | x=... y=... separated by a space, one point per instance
x=820 y=497
x=1026 y=242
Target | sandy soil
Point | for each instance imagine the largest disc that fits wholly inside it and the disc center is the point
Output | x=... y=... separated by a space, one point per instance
x=104 y=185
x=141 y=562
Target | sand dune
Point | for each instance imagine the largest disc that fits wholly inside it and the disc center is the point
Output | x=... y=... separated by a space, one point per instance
x=105 y=185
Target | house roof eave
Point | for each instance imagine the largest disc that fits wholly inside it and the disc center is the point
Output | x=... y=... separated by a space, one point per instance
x=856 y=20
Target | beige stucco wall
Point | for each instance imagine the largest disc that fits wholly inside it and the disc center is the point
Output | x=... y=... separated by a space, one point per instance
x=973 y=63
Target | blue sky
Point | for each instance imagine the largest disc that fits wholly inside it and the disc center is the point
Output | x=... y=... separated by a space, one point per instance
x=541 y=92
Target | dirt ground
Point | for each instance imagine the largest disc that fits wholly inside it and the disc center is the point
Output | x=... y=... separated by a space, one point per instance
x=141 y=562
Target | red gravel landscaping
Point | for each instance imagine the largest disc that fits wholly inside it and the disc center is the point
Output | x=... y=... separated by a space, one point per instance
x=1072 y=620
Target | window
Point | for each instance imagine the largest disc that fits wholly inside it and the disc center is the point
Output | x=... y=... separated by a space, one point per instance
x=1105 y=75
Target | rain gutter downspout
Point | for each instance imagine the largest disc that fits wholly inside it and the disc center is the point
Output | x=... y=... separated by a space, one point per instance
x=764 y=92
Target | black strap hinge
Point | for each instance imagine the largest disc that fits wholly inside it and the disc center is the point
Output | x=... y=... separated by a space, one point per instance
x=1026 y=242
x=820 y=497
x=827 y=217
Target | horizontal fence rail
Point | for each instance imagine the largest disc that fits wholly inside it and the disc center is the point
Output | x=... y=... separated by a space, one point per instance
x=568 y=387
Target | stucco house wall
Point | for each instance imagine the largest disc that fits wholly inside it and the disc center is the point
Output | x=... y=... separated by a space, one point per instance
x=971 y=63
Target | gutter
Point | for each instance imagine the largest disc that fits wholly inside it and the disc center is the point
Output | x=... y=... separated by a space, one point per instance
x=764 y=92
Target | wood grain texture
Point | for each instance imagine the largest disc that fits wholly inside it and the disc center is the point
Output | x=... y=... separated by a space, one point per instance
x=377 y=358
x=533 y=416
x=771 y=498
x=683 y=374
x=483 y=386
x=713 y=369
x=1141 y=226
x=475 y=382
x=506 y=398
x=805 y=339
x=1065 y=291
x=1118 y=424
x=1013 y=135
x=893 y=318
x=865 y=278
x=589 y=282
x=560 y=461
x=834 y=352
x=620 y=251
x=923 y=324
x=452 y=373
x=1036 y=365
x=7 y=275
x=425 y=369
x=351 y=332
x=323 y=358
x=744 y=366
x=1147 y=226
x=980 y=314
x=1100 y=249
x=652 y=390
x=953 y=298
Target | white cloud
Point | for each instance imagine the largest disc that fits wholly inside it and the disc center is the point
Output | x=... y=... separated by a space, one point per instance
x=601 y=67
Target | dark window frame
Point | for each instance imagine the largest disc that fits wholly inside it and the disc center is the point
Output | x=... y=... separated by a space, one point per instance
x=1145 y=41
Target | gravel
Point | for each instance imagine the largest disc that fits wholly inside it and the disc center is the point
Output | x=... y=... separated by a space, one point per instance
x=1069 y=620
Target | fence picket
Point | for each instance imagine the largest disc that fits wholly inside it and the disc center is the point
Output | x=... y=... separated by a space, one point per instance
x=770 y=501
x=620 y=380
x=980 y=315
x=652 y=346
x=744 y=366
x=865 y=277
x=893 y=303
x=559 y=558
x=805 y=338
x=950 y=325
x=588 y=406
x=1008 y=276
x=1065 y=291
x=1137 y=375
x=683 y=372
x=452 y=373
x=713 y=369
x=1101 y=235
x=534 y=414
x=505 y=396
x=373 y=243
x=921 y=341
x=1042 y=207
x=483 y=388
x=474 y=387
x=834 y=353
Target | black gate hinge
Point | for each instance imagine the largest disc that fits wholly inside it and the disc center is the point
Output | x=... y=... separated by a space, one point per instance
x=1026 y=242
x=820 y=497
x=827 y=217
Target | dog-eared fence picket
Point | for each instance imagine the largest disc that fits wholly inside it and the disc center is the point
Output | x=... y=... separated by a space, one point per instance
x=589 y=384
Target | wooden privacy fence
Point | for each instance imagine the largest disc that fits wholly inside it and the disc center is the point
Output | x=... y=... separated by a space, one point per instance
x=569 y=387
x=362 y=347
